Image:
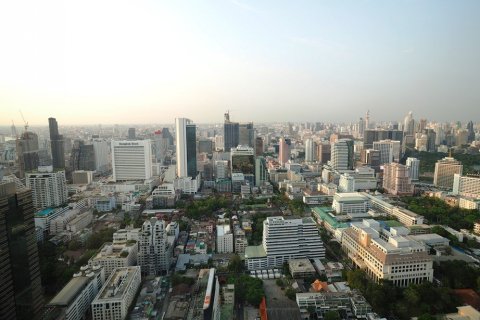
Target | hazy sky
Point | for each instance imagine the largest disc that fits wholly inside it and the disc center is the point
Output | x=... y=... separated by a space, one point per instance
x=151 y=61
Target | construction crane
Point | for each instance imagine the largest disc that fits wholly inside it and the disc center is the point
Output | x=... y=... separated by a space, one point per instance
x=25 y=122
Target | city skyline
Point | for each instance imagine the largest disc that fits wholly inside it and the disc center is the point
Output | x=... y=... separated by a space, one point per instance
x=134 y=62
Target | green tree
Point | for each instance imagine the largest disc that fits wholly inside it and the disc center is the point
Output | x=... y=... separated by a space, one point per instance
x=236 y=264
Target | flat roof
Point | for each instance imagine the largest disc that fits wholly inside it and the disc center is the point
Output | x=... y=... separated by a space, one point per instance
x=255 y=252
x=70 y=291
x=350 y=196
x=120 y=279
x=44 y=212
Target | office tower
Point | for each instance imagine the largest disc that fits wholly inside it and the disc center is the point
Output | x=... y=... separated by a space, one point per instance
x=445 y=169
x=324 y=152
x=242 y=160
x=167 y=135
x=154 y=250
x=284 y=150
x=396 y=179
x=160 y=144
x=261 y=173
x=117 y=294
x=101 y=151
x=57 y=145
x=259 y=146
x=21 y=294
x=389 y=150
x=49 y=189
x=431 y=137
x=342 y=155
x=361 y=127
x=131 y=134
x=230 y=133
x=385 y=255
x=461 y=137
x=372 y=135
x=82 y=156
x=309 y=150
x=367 y=120
x=371 y=157
x=471 y=132
x=131 y=160
x=422 y=125
x=413 y=165
x=246 y=134
x=284 y=240
x=186 y=140
x=409 y=124
x=221 y=169
x=466 y=186
x=27 y=153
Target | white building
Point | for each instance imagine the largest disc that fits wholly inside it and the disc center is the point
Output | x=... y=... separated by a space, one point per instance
x=115 y=255
x=466 y=186
x=346 y=183
x=385 y=256
x=389 y=150
x=44 y=218
x=74 y=300
x=154 y=250
x=309 y=150
x=49 y=189
x=117 y=294
x=413 y=165
x=224 y=239
x=445 y=169
x=284 y=240
x=354 y=202
x=403 y=215
x=131 y=160
x=79 y=223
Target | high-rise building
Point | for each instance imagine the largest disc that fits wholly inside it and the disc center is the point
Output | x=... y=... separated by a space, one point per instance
x=471 y=132
x=284 y=240
x=221 y=169
x=131 y=134
x=396 y=179
x=49 y=189
x=284 y=150
x=231 y=132
x=82 y=156
x=224 y=239
x=242 y=160
x=431 y=138
x=27 y=153
x=371 y=157
x=205 y=146
x=154 y=250
x=101 y=151
x=131 y=160
x=324 y=152
x=372 y=135
x=342 y=155
x=160 y=143
x=413 y=165
x=261 y=173
x=445 y=169
x=361 y=127
x=389 y=150
x=466 y=186
x=186 y=140
x=57 y=145
x=246 y=134
x=21 y=294
x=310 y=150
x=259 y=146
x=409 y=124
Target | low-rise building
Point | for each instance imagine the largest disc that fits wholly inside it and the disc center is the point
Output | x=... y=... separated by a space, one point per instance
x=350 y=203
x=117 y=294
x=115 y=255
x=301 y=268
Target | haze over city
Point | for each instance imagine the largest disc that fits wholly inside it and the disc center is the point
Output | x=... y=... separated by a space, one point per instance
x=150 y=61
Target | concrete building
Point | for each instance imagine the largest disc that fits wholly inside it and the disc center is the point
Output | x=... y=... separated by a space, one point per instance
x=301 y=268
x=413 y=165
x=101 y=150
x=284 y=240
x=445 y=170
x=131 y=160
x=224 y=239
x=186 y=148
x=310 y=150
x=240 y=239
x=344 y=203
x=221 y=169
x=371 y=157
x=82 y=177
x=346 y=183
x=407 y=217
x=385 y=256
x=49 y=189
x=342 y=155
x=73 y=301
x=230 y=133
x=56 y=145
x=261 y=173
x=115 y=255
x=80 y=222
x=27 y=153
x=246 y=135
x=389 y=150
x=242 y=160
x=259 y=146
x=466 y=186
x=284 y=150
x=324 y=152
x=117 y=294
x=154 y=250
x=396 y=179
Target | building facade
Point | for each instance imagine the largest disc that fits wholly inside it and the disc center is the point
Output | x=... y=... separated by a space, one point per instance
x=396 y=179
x=445 y=169
x=186 y=141
x=154 y=250
x=131 y=160
x=49 y=189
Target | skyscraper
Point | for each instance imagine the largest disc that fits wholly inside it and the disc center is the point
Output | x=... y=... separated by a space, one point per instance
x=27 y=153
x=230 y=133
x=284 y=150
x=259 y=146
x=309 y=150
x=186 y=139
x=131 y=160
x=154 y=250
x=82 y=156
x=57 y=146
x=324 y=152
x=413 y=165
x=471 y=132
x=409 y=124
x=246 y=134
x=21 y=294
x=343 y=155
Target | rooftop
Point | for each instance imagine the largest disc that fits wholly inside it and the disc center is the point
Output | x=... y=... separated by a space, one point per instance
x=255 y=252
x=44 y=212
x=117 y=283
x=350 y=196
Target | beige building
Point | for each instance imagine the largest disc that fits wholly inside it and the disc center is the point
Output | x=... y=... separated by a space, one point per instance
x=445 y=170
x=387 y=255
x=396 y=179
x=116 y=255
